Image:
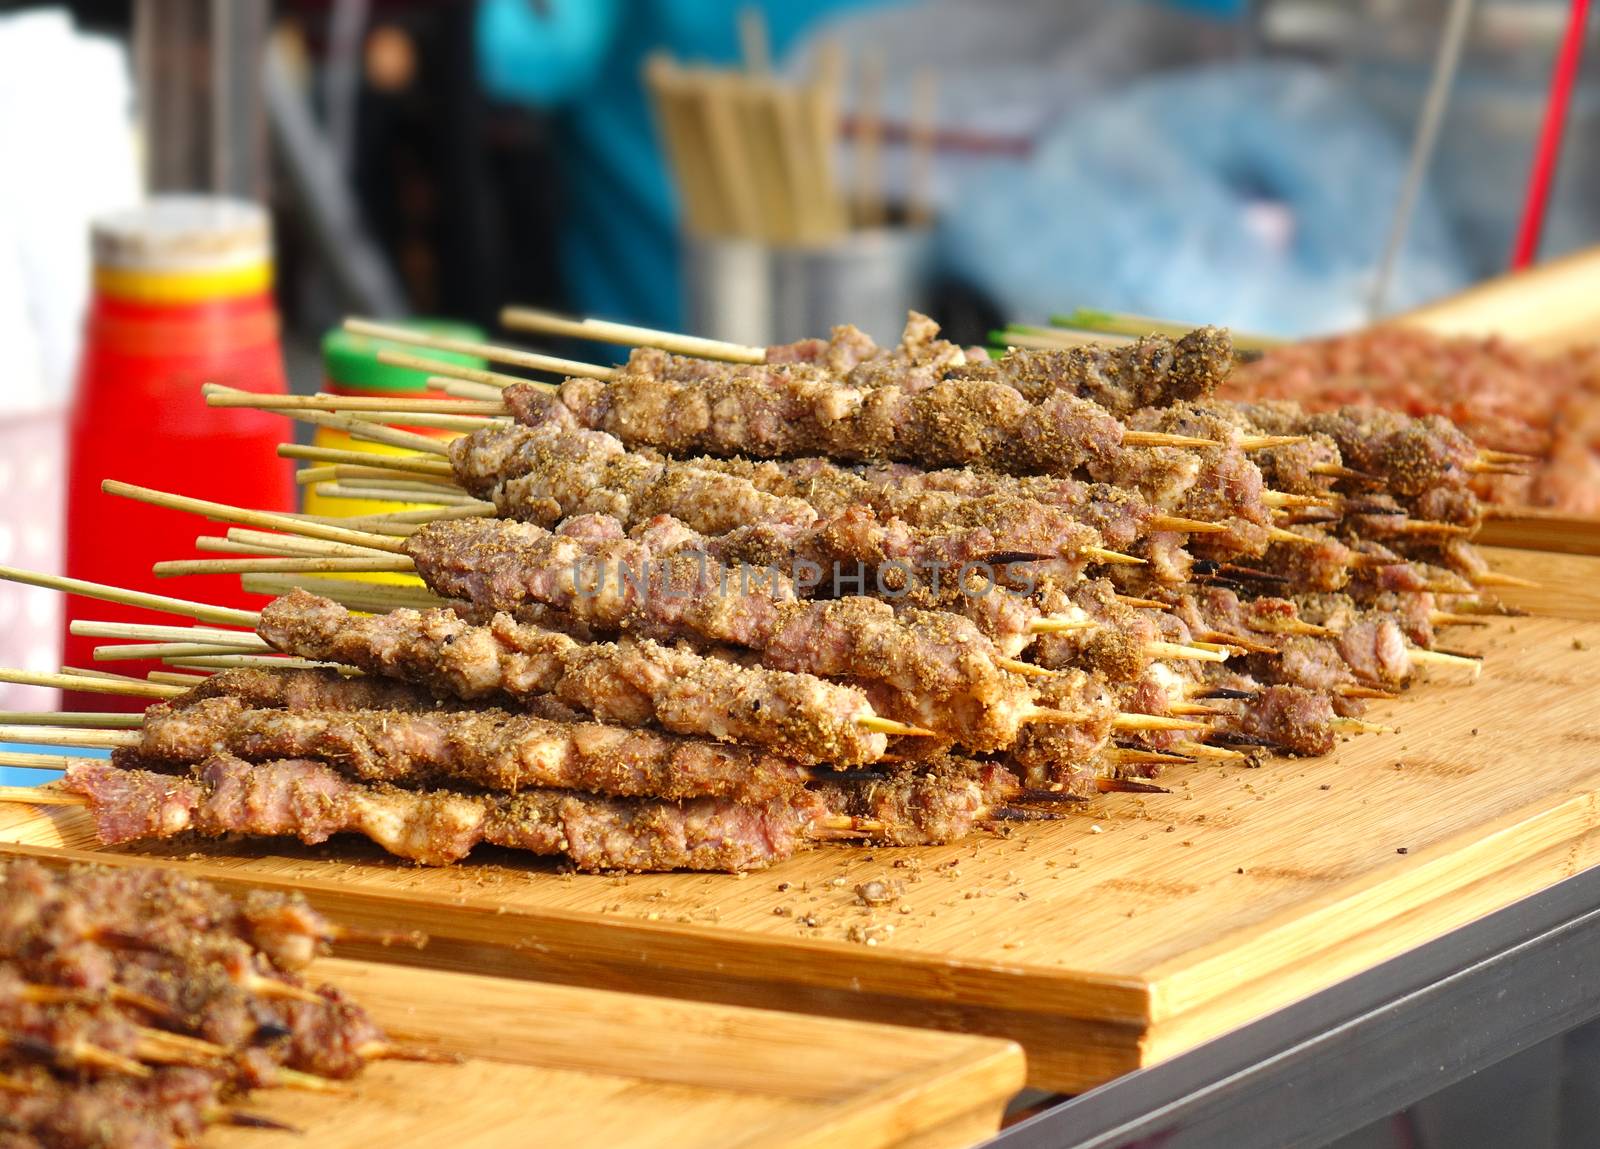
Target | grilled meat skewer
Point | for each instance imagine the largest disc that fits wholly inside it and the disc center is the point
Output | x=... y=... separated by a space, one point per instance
x=490 y=749
x=790 y=410
x=633 y=682
x=312 y=802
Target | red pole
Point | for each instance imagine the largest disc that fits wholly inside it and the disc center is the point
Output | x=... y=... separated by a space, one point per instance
x=1562 y=81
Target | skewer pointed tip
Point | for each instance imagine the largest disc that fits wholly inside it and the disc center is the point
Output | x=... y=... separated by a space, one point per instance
x=1352 y=690
x=1349 y=474
x=1226 y=692
x=1443 y=618
x=1282 y=499
x=1127 y=756
x=1060 y=625
x=1238 y=644
x=1290 y=538
x=1266 y=442
x=1357 y=726
x=1181 y=525
x=1142 y=603
x=1128 y=786
x=1194 y=653
x=1115 y=558
x=1129 y=721
x=1017 y=666
x=1498 y=578
x=390 y=1051
x=242 y=1120
x=1481 y=467
x=307 y=1082
x=1440 y=658
x=1202 y=752
x=1162 y=439
x=1508 y=457
x=40 y=796
x=890 y=726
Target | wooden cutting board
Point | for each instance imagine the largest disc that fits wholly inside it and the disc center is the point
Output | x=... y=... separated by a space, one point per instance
x=1552 y=306
x=1135 y=928
x=568 y=1068
x=1531 y=528
x=1569 y=586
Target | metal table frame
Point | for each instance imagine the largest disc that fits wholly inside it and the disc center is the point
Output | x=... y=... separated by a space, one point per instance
x=1374 y=1044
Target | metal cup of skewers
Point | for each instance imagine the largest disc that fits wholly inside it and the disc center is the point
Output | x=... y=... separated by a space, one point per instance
x=747 y=291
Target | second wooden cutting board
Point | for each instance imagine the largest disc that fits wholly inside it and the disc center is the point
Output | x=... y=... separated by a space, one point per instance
x=565 y=1068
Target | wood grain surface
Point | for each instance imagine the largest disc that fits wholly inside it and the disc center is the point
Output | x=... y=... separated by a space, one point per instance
x=570 y=1068
x=1550 y=307
x=1133 y=929
x=1528 y=528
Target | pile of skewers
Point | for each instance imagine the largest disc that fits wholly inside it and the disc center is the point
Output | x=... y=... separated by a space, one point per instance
x=1546 y=405
x=1541 y=406
x=753 y=156
x=701 y=612
x=137 y=1008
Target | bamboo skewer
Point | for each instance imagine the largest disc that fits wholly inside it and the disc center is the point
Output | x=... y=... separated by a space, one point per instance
x=339 y=472
x=410 y=486
x=776 y=204
x=89 y=685
x=628 y=335
x=401 y=564
x=811 y=223
x=425 y=466
x=149 y=632
x=103 y=675
x=712 y=96
x=100 y=720
x=35 y=795
x=132 y=652
x=202 y=612
x=682 y=144
x=290 y=544
x=400 y=407
x=820 y=113
x=425 y=419
x=405 y=522
x=1202 y=751
x=441 y=371
x=226 y=513
x=392 y=436
x=373 y=597
x=438 y=497
x=869 y=142
x=1111 y=323
x=63 y=736
x=530 y=360
x=1047 y=339
x=330 y=564
x=401 y=480
x=1440 y=658
x=250 y=662
x=173 y=678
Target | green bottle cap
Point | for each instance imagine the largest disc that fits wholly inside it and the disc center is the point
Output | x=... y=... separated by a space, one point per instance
x=351 y=361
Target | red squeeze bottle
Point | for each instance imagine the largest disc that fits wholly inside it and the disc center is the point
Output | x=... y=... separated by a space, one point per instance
x=182 y=297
